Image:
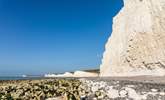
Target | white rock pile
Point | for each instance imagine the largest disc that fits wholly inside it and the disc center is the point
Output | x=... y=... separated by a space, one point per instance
x=123 y=91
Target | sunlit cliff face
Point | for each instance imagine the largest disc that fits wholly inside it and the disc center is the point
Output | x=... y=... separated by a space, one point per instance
x=137 y=43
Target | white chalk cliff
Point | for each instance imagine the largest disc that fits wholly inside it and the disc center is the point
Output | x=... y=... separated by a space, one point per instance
x=84 y=74
x=75 y=74
x=137 y=43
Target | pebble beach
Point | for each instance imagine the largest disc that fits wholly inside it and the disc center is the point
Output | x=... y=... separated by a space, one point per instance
x=81 y=89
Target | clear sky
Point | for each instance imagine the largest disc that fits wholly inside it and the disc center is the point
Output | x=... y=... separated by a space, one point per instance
x=42 y=36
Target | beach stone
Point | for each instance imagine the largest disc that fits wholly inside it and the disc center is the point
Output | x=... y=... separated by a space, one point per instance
x=162 y=93
x=154 y=90
x=112 y=93
x=123 y=93
x=94 y=88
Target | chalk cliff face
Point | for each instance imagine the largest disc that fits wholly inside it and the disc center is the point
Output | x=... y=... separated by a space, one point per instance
x=137 y=43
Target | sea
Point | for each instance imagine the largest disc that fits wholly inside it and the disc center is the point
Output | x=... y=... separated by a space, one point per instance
x=20 y=78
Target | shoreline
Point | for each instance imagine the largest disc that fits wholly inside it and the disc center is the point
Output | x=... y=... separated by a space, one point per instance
x=145 y=79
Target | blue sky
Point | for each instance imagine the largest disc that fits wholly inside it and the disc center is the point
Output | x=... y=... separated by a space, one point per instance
x=42 y=36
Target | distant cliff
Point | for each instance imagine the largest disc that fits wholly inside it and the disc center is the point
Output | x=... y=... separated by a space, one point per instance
x=137 y=43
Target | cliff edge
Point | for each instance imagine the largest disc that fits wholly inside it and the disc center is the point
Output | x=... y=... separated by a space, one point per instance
x=137 y=43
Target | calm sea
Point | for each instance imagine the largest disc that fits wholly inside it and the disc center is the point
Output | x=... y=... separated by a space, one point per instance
x=19 y=78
